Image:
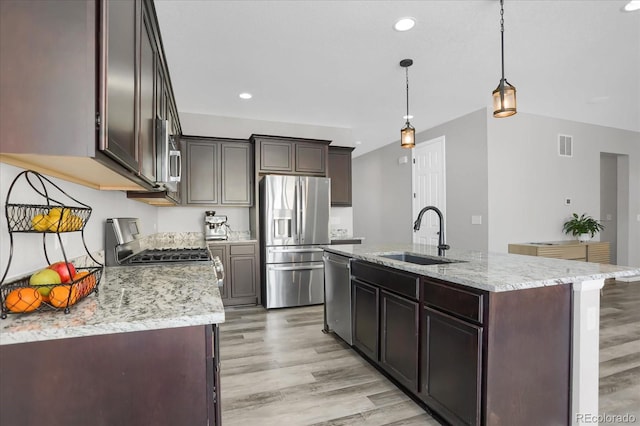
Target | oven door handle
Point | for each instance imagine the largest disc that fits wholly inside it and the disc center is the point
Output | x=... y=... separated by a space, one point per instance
x=219 y=268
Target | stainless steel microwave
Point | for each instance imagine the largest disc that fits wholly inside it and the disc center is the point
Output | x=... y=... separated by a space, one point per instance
x=168 y=160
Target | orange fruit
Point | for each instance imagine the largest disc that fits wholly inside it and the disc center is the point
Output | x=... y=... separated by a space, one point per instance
x=25 y=299
x=84 y=282
x=62 y=296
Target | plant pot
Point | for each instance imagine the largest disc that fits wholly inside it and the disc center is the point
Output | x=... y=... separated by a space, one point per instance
x=583 y=238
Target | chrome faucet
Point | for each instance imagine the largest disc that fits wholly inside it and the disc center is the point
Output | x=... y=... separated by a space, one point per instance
x=416 y=226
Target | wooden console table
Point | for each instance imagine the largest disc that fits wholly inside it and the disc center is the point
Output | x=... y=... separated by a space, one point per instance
x=591 y=251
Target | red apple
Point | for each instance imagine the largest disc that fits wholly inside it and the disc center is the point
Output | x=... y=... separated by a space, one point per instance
x=65 y=270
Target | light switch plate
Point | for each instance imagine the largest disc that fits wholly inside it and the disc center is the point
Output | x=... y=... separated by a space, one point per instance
x=638 y=218
x=476 y=220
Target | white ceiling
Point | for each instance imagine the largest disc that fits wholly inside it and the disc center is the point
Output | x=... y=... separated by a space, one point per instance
x=336 y=63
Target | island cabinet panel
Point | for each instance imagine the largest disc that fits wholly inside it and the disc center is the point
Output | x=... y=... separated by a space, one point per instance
x=156 y=377
x=365 y=318
x=451 y=367
x=528 y=356
x=399 y=320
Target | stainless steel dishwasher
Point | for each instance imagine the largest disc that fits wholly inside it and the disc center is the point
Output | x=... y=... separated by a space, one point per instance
x=337 y=302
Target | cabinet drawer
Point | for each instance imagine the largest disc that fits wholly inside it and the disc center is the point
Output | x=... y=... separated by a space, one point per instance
x=240 y=249
x=454 y=300
x=564 y=252
x=396 y=281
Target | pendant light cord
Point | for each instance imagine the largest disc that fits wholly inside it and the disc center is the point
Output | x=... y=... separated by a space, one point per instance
x=407 y=74
x=502 y=37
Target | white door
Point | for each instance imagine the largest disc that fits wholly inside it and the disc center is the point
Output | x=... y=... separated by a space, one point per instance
x=428 y=188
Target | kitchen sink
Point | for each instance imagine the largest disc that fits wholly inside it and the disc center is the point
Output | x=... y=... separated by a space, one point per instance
x=416 y=259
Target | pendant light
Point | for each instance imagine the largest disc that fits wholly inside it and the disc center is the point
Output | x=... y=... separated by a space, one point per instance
x=408 y=133
x=504 y=97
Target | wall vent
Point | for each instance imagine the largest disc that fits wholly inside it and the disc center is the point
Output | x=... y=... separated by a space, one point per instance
x=565 y=146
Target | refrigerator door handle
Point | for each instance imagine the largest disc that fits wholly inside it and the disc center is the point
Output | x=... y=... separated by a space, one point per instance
x=303 y=207
x=295 y=250
x=298 y=209
x=294 y=268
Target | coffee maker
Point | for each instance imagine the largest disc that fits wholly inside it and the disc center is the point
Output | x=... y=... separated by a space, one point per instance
x=215 y=227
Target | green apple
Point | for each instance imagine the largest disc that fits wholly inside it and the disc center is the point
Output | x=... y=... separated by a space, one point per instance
x=45 y=280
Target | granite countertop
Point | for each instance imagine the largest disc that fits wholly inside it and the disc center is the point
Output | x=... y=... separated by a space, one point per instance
x=487 y=271
x=130 y=298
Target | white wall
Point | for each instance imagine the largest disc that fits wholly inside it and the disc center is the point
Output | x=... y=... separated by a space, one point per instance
x=382 y=194
x=528 y=181
x=341 y=218
x=229 y=127
x=28 y=254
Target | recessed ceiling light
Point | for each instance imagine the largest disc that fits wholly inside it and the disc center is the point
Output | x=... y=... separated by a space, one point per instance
x=632 y=6
x=407 y=117
x=404 y=24
x=358 y=142
x=246 y=95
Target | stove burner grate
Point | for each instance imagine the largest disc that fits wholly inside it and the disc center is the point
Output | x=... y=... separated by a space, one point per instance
x=170 y=255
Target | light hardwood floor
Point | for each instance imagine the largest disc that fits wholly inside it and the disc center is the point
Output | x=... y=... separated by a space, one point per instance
x=278 y=368
x=620 y=349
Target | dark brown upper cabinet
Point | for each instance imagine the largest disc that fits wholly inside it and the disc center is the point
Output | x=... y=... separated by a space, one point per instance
x=86 y=95
x=340 y=174
x=218 y=171
x=284 y=155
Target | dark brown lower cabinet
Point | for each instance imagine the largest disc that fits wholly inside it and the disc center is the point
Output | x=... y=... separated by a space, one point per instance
x=399 y=320
x=364 y=301
x=241 y=271
x=473 y=357
x=451 y=376
x=156 y=377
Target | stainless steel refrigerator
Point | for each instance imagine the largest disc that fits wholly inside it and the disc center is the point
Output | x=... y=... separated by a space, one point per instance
x=295 y=225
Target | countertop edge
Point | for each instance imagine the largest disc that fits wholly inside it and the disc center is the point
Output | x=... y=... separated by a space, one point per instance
x=110 y=328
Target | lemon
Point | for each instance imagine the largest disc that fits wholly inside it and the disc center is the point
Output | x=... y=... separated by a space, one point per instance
x=40 y=222
x=55 y=212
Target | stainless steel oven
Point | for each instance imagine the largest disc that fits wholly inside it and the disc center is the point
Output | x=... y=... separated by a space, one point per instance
x=122 y=248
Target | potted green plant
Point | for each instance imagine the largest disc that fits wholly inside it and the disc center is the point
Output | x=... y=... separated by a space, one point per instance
x=584 y=227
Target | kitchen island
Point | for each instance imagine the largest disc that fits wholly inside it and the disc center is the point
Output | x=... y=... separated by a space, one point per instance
x=142 y=351
x=481 y=338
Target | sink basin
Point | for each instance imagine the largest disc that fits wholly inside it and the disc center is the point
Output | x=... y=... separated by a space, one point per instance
x=416 y=259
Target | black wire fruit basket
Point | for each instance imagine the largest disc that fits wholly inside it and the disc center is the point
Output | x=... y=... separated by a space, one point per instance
x=61 y=284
